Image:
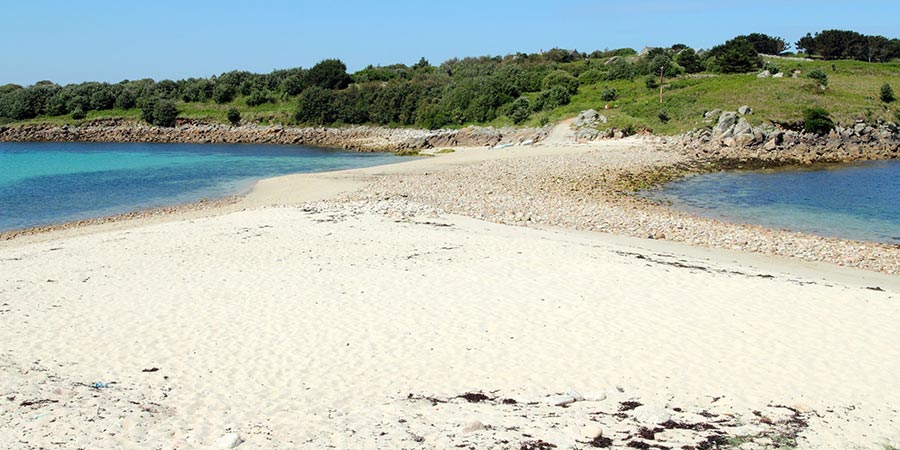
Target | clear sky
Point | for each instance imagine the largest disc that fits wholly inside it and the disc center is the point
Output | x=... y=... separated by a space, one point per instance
x=72 y=41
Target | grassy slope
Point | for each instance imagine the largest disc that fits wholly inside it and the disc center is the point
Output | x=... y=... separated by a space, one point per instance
x=852 y=94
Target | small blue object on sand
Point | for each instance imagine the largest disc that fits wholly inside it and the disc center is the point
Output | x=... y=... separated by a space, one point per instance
x=100 y=385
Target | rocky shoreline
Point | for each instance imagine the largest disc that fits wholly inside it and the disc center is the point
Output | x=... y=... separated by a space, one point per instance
x=729 y=136
x=361 y=138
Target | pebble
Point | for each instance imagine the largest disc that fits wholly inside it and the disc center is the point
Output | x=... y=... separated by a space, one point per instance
x=230 y=440
x=651 y=414
x=559 y=400
x=578 y=191
x=473 y=426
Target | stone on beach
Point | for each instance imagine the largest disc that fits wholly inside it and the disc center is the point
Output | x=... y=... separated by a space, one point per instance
x=230 y=440
x=651 y=415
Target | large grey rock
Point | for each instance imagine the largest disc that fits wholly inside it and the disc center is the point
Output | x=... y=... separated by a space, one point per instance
x=725 y=126
x=586 y=119
x=711 y=116
x=744 y=110
x=778 y=75
x=764 y=74
x=651 y=414
x=742 y=127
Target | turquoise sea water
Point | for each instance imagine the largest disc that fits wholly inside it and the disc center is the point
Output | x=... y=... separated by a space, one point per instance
x=43 y=183
x=856 y=201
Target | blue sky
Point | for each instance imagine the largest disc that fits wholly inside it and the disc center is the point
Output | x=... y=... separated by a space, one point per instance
x=67 y=41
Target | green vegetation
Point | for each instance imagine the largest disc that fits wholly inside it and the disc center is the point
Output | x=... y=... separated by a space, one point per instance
x=233 y=116
x=887 y=93
x=840 y=44
x=820 y=76
x=665 y=90
x=817 y=120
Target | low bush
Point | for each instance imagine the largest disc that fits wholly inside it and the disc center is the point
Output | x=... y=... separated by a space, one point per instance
x=609 y=94
x=820 y=76
x=817 y=120
x=234 y=116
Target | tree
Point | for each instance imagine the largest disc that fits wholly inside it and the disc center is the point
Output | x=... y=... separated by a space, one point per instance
x=234 y=116
x=735 y=56
x=329 y=74
x=688 y=59
x=766 y=44
x=887 y=93
x=520 y=110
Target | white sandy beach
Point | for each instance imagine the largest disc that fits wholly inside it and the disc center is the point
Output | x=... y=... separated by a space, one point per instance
x=302 y=323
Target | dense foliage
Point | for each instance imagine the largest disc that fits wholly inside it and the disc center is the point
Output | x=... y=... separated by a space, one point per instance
x=840 y=44
x=817 y=120
x=514 y=88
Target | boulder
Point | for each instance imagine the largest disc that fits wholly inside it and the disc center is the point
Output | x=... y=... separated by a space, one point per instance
x=725 y=125
x=711 y=116
x=764 y=74
x=744 y=110
x=778 y=75
x=742 y=127
x=585 y=119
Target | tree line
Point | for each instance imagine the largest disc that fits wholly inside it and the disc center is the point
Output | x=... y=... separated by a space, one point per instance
x=456 y=92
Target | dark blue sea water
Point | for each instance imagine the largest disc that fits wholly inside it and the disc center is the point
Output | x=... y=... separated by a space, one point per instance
x=42 y=183
x=858 y=201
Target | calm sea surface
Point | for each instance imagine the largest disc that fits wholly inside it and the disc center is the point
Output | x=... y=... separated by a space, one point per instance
x=857 y=201
x=43 y=183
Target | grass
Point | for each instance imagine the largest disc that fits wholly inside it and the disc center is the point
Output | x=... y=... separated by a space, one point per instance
x=852 y=94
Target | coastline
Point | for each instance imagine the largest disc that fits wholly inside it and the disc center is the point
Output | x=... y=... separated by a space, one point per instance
x=608 y=188
x=393 y=307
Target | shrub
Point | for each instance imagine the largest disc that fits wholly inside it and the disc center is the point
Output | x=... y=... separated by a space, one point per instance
x=520 y=110
x=592 y=76
x=315 y=106
x=609 y=94
x=557 y=97
x=560 y=78
x=663 y=116
x=234 y=116
x=651 y=82
x=78 y=113
x=817 y=120
x=820 y=76
x=159 y=112
x=887 y=93
x=259 y=97
x=224 y=93
x=165 y=113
